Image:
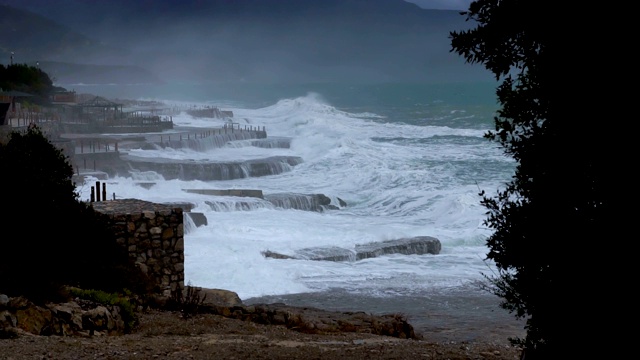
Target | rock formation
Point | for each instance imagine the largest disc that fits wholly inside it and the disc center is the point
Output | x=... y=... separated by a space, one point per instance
x=418 y=245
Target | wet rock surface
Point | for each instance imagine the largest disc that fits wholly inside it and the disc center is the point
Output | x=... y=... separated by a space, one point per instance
x=418 y=245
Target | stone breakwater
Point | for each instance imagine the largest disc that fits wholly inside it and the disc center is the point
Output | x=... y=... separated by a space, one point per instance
x=418 y=245
x=107 y=155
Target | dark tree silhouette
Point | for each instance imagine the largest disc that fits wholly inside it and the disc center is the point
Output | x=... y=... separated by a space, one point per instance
x=28 y=79
x=52 y=238
x=557 y=203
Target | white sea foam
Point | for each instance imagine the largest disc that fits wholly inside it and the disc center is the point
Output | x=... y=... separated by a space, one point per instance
x=400 y=178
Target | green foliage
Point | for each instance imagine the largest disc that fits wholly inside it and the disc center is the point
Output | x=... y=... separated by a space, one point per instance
x=122 y=300
x=557 y=201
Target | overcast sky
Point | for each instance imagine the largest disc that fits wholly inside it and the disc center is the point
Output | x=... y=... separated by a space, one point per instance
x=443 y=4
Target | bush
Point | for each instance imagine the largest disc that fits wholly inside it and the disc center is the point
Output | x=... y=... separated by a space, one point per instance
x=57 y=240
x=122 y=301
x=187 y=303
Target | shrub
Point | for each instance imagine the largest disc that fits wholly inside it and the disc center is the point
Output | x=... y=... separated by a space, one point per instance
x=121 y=300
x=187 y=303
x=57 y=239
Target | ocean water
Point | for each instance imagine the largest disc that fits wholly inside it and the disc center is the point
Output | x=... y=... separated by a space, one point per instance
x=408 y=160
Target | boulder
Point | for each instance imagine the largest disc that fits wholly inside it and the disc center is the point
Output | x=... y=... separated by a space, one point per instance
x=220 y=297
x=332 y=253
x=410 y=246
x=275 y=255
x=418 y=245
x=318 y=321
x=18 y=316
x=198 y=218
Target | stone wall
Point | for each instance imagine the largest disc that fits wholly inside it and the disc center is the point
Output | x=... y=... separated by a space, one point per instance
x=154 y=236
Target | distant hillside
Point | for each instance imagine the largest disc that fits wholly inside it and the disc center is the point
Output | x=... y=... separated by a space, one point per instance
x=73 y=73
x=31 y=36
x=62 y=52
x=255 y=40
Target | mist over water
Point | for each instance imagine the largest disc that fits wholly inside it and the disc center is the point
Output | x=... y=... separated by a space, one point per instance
x=408 y=160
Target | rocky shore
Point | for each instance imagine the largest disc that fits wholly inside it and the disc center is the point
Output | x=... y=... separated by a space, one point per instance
x=223 y=327
x=168 y=335
x=79 y=317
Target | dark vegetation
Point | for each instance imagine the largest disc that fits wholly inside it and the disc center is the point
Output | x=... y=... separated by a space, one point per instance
x=124 y=300
x=55 y=239
x=27 y=79
x=187 y=303
x=558 y=201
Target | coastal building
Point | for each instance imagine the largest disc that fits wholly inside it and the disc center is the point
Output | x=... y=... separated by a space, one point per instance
x=64 y=98
x=9 y=106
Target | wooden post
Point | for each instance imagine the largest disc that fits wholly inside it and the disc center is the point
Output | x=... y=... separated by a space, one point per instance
x=93 y=194
x=104 y=191
x=97 y=191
